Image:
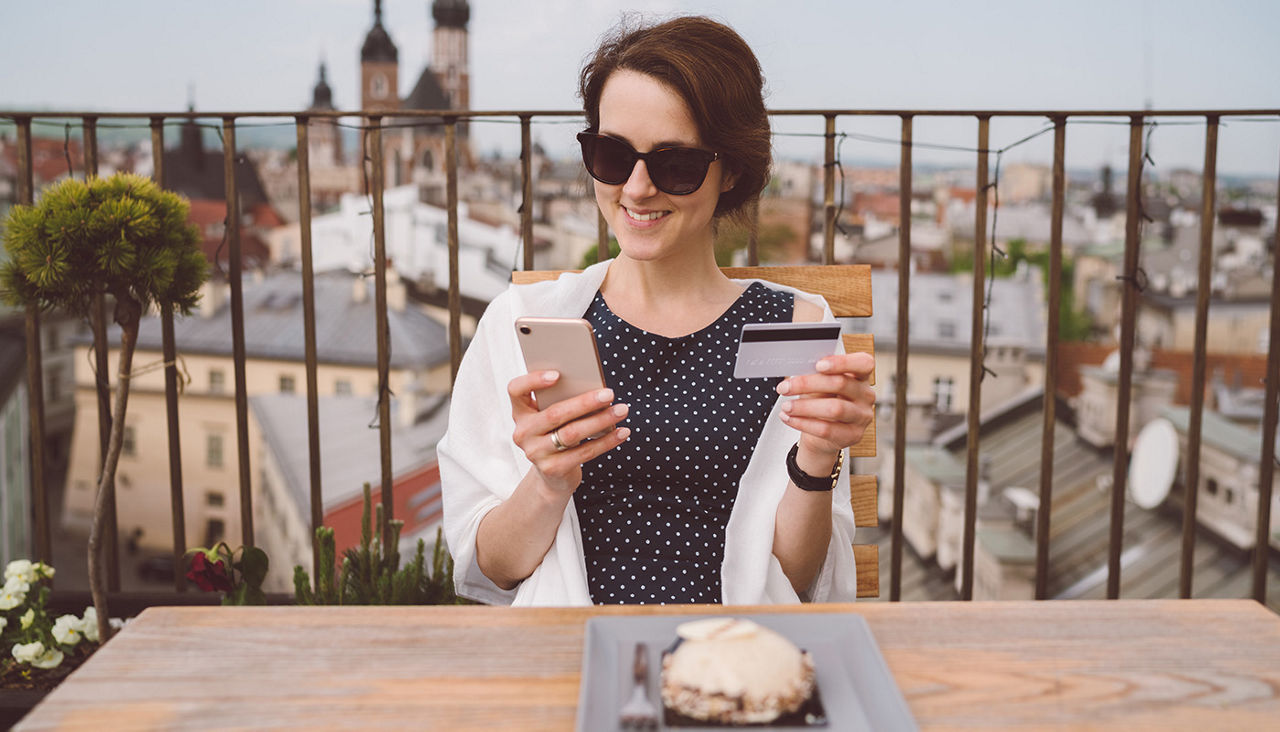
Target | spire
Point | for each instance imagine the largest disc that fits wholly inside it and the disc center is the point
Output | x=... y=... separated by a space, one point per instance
x=377 y=44
x=322 y=95
x=451 y=13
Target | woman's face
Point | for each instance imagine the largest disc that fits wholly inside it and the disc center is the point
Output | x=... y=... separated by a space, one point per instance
x=652 y=225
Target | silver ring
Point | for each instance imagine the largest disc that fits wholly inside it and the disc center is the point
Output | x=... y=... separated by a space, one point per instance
x=555 y=440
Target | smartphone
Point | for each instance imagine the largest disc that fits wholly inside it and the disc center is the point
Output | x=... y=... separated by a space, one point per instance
x=567 y=345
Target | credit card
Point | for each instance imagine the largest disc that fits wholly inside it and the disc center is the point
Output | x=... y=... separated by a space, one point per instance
x=771 y=350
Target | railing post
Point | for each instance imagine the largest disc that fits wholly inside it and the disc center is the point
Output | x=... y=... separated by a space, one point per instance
x=35 y=364
x=309 y=336
x=177 y=505
x=1128 y=316
x=455 y=287
x=976 y=352
x=1267 y=463
x=384 y=333
x=901 y=376
x=526 y=188
x=829 y=191
x=237 y=327
x=1049 y=429
x=1191 y=492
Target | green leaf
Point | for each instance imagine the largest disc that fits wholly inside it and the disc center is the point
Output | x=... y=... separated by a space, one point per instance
x=253 y=566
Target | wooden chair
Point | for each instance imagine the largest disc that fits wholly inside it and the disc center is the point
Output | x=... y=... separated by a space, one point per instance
x=847 y=289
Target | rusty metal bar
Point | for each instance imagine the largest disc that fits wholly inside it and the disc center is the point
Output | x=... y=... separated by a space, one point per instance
x=35 y=365
x=829 y=191
x=102 y=379
x=309 y=338
x=1051 y=358
x=976 y=353
x=1208 y=184
x=380 y=315
x=455 y=288
x=1267 y=463
x=753 y=233
x=809 y=112
x=602 y=237
x=177 y=503
x=526 y=187
x=237 y=327
x=1128 y=316
x=900 y=378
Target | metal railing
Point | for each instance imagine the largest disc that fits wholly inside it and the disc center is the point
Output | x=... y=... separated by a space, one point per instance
x=373 y=122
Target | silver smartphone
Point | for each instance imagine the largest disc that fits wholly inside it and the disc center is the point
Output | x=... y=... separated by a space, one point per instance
x=567 y=345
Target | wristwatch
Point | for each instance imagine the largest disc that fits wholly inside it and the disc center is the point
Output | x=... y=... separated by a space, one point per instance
x=807 y=482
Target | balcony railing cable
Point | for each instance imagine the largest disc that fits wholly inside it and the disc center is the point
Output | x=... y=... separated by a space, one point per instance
x=373 y=126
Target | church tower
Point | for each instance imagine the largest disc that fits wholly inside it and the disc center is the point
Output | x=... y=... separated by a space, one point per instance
x=379 y=63
x=449 y=50
x=325 y=140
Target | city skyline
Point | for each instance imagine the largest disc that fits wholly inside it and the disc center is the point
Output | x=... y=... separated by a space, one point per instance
x=932 y=55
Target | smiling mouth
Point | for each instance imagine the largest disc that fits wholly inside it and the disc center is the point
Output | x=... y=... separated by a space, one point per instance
x=650 y=216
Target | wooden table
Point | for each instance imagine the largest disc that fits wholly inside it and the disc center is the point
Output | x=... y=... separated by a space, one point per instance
x=1122 y=665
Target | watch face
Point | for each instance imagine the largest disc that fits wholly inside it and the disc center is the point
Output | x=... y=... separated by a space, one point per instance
x=378 y=86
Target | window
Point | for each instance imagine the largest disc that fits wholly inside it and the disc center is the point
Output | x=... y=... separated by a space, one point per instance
x=342 y=387
x=214 y=499
x=943 y=390
x=1212 y=487
x=287 y=384
x=946 y=329
x=1229 y=495
x=213 y=451
x=215 y=530
x=217 y=381
x=129 y=447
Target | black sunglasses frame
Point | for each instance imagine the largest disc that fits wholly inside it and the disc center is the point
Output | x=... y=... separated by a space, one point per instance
x=653 y=160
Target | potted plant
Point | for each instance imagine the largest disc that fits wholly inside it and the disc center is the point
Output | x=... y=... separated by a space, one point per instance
x=37 y=650
x=123 y=237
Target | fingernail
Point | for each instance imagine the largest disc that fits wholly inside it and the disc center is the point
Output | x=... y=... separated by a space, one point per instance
x=824 y=364
x=620 y=410
x=784 y=387
x=550 y=376
x=786 y=417
x=604 y=395
x=786 y=408
x=623 y=433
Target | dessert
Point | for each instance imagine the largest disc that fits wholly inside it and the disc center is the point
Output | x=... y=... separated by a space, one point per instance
x=734 y=671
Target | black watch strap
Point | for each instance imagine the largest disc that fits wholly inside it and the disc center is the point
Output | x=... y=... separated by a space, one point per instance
x=807 y=482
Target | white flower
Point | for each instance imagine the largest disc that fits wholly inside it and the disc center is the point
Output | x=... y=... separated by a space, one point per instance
x=3 y=622
x=89 y=624
x=27 y=652
x=17 y=584
x=116 y=623
x=11 y=597
x=28 y=618
x=51 y=658
x=20 y=568
x=66 y=630
x=45 y=570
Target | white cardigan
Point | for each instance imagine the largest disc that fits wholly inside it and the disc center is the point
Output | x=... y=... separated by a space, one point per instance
x=480 y=466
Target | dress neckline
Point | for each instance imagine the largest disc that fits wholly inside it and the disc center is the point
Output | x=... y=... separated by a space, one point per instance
x=671 y=339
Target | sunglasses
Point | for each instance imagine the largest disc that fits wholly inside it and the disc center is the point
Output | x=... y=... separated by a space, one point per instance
x=677 y=171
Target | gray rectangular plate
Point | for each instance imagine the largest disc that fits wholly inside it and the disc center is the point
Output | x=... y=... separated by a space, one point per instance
x=858 y=692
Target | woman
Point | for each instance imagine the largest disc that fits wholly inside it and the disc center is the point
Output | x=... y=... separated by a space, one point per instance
x=691 y=493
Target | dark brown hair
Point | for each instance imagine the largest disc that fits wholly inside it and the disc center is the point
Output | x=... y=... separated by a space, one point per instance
x=714 y=71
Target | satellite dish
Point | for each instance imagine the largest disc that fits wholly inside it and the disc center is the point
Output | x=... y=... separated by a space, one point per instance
x=1154 y=463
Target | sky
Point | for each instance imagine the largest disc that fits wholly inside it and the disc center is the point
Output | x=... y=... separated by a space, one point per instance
x=242 y=55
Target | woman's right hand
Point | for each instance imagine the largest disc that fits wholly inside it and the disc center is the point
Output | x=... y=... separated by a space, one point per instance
x=573 y=420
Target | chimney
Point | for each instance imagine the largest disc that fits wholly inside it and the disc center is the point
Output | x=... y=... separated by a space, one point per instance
x=212 y=295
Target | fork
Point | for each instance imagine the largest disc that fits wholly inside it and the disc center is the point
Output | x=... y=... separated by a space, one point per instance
x=639 y=713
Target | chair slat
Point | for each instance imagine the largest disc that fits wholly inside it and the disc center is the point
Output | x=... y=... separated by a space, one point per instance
x=861 y=343
x=863 y=496
x=866 y=557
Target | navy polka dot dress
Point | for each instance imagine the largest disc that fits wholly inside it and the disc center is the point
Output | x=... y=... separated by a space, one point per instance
x=653 y=510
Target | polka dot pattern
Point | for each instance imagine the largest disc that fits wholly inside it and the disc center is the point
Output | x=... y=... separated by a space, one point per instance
x=653 y=510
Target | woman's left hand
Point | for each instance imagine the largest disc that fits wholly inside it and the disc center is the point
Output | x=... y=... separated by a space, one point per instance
x=833 y=407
